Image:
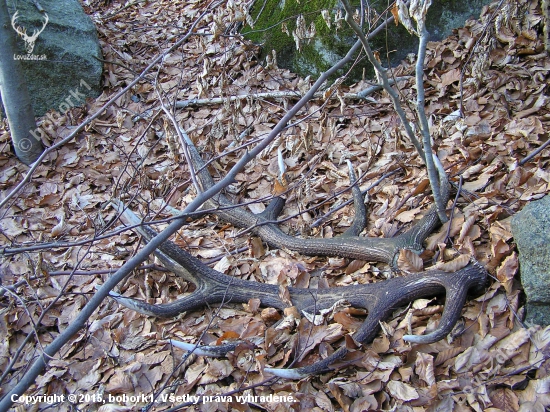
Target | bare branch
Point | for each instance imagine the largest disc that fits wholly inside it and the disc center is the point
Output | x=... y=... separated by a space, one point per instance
x=382 y=73
x=281 y=95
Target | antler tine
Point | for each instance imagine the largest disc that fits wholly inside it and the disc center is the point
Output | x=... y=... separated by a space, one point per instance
x=413 y=238
x=389 y=295
x=206 y=350
x=360 y=218
x=456 y=294
x=211 y=286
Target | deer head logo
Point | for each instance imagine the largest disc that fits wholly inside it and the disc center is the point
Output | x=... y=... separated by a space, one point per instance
x=29 y=40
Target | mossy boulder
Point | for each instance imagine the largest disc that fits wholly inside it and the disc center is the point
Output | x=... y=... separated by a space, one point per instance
x=531 y=230
x=275 y=18
x=64 y=66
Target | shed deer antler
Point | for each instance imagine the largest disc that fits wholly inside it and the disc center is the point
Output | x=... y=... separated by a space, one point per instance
x=29 y=40
x=379 y=299
x=349 y=244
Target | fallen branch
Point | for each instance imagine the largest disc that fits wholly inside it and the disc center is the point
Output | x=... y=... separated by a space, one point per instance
x=212 y=101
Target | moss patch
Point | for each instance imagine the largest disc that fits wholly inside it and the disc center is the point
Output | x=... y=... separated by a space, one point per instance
x=318 y=54
x=330 y=45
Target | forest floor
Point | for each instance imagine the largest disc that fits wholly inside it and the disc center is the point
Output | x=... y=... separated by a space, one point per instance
x=492 y=361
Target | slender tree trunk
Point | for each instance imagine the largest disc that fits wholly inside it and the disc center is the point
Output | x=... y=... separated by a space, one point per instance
x=15 y=96
x=546 y=17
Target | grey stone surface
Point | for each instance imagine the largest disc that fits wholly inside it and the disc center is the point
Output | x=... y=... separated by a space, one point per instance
x=69 y=73
x=531 y=230
x=330 y=45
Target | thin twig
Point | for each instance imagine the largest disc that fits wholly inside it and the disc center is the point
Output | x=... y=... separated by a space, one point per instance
x=38 y=6
x=347 y=202
x=382 y=73
x=534 y=153
x=433 y=176
x=182 y=135
x=458 y=192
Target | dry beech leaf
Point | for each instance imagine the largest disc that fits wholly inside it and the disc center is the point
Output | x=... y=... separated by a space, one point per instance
x=513 y=341
x=58 y=229
x=270 y=315
x=421 y=187
x=439 y=237
x=466 y=227
x=450 y=76
x=430 y=310
x=217 y=369
x=395 y=13
x=340 y=397
x=408 y=215
x=323 y=401
x=454 y=265
x=424 y=367
x=409 y=261
x=477 y=184
x=447 y=354
x=504 y=399
x=470 y=358
x=380 y=344
x=253 y=305
x=386 y=328
x=255 y=247
x=347 y=322
x=507 y=270
x=278 y=188
x=421 y=303
x=284 y=295
x=402 y=391
x=223 y=265
x=227 y=335
x=354 y=266
x=467 y=247
x=407 y=322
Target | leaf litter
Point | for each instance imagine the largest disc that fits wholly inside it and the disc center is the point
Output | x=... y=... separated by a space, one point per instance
x=491 y=360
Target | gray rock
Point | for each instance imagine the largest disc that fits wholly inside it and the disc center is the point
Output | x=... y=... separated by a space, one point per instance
x=60 y=69
x=531 y=230
x=330 y=45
